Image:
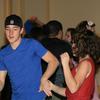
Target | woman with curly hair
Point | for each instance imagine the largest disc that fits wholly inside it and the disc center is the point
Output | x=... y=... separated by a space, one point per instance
x=81 y=79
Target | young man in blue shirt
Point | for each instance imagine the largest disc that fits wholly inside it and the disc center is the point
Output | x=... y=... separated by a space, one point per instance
x=21 y=59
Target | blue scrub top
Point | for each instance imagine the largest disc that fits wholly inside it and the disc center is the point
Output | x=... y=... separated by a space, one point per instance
x=24 y=69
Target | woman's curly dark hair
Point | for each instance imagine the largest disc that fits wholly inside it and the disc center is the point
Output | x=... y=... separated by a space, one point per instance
x=81 y=27
x=88 y=45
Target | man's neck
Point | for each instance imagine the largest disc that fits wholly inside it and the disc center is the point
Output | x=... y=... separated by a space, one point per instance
x=16 y=44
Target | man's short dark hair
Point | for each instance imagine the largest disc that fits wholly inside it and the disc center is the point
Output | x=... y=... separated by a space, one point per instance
x=53 y=27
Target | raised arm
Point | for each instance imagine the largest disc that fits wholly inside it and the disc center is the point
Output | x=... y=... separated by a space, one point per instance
x=74 y=83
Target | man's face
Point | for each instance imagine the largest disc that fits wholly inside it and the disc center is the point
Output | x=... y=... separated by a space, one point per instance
x=13 y=33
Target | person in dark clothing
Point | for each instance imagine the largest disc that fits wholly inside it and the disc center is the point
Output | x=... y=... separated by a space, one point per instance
x=57 y=46
x=31 y=23
x=36 y=33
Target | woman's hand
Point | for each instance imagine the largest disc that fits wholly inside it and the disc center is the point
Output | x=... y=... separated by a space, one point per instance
x=51 y=85
x=45 y=86
x=57 y=89
x=65 y=59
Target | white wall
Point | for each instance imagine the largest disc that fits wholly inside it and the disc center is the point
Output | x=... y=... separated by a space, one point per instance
x=70 y=12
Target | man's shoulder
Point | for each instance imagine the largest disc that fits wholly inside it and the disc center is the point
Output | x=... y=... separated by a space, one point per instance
x=4 y=50
x=62 y=43
x=53 y=41
x=29 y=41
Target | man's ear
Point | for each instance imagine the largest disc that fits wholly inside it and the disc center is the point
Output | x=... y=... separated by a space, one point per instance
x=22 y=30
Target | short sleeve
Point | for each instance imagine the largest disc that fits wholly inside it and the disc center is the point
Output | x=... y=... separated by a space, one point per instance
x=40 y=49
x=2 y=65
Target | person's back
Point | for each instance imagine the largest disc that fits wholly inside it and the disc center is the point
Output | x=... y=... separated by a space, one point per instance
x=57 y=46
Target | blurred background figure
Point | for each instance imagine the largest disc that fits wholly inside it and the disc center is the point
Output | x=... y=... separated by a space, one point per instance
x=70 y=32
x=85 y=26
x=36 y=33
x=90 y=26
x=31 y=23
x=69 y=37
x=34 y=28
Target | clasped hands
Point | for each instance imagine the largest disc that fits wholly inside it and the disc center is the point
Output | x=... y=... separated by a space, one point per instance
x=46 y=86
